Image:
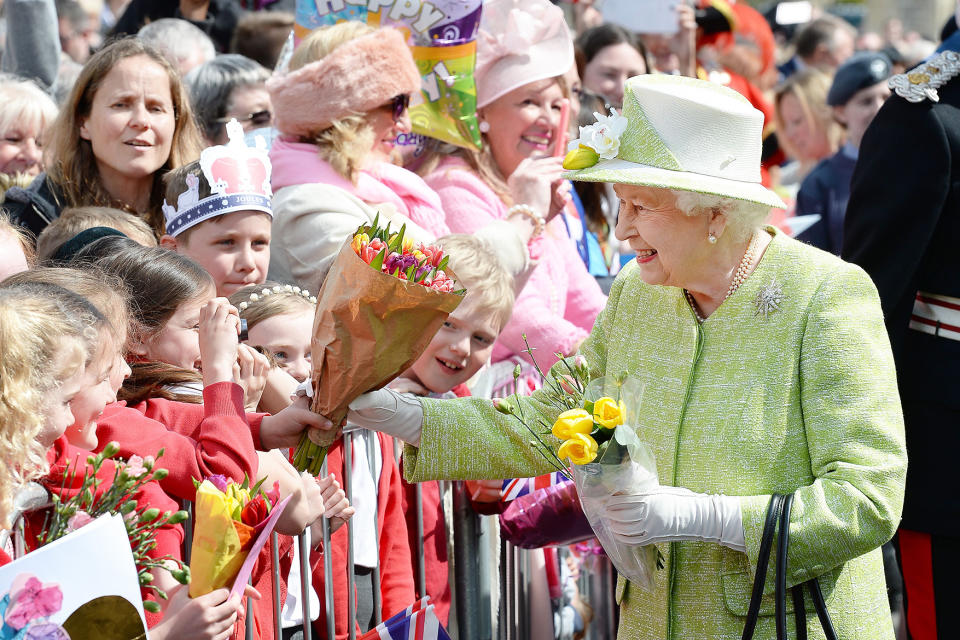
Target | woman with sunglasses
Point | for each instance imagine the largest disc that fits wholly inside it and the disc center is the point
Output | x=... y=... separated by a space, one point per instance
x=339 y=112
x=229 y=86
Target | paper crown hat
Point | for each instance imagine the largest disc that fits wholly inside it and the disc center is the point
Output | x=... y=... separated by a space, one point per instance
x=239 y=179
x=686 y=134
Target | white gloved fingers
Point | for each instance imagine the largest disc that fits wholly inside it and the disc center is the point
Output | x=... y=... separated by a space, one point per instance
x=385 y=410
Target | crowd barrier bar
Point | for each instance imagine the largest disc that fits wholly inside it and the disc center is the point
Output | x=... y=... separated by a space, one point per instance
x=351 y=590
x=373 y=444
x=327 y=572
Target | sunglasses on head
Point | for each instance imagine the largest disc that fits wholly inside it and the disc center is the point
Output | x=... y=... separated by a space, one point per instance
x=399 y=104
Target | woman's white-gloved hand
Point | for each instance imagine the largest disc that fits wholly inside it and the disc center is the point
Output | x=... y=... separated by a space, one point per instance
x=671 y=514
x=396 y=414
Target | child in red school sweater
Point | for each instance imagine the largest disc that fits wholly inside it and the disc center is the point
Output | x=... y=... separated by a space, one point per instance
x=456 y=353
x=84 y=359
x=170 y=296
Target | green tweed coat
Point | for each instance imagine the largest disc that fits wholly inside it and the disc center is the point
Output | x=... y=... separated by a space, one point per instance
x=803 y=399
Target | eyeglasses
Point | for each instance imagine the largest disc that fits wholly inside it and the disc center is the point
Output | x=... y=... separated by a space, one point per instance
x=262 y=118
x=399 y=104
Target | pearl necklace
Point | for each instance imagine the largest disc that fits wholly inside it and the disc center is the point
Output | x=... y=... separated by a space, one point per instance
x=739 y=277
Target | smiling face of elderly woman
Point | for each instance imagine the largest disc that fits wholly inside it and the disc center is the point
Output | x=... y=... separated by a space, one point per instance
x=670 y=234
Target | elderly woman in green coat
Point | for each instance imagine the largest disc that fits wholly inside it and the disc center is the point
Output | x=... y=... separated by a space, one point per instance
x=767 y=370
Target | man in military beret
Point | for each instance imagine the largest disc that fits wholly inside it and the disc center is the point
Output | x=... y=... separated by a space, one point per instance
x=858 y=91
x=903 y=227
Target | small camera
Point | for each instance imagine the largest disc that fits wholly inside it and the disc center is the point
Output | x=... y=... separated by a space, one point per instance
x=243 y=330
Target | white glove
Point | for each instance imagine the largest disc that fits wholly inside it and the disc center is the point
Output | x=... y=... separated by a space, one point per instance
x=385 y=410
x=671 y=514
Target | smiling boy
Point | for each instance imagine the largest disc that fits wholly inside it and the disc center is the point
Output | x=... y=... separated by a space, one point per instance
x=223 y=215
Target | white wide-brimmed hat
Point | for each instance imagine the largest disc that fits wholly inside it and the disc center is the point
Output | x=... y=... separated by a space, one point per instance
x=677 y=133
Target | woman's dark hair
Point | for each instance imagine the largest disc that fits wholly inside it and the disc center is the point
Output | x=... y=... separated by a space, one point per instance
x=593 y=40
x=160 y=281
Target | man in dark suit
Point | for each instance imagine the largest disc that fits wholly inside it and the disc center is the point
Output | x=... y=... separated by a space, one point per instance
x=903 y=227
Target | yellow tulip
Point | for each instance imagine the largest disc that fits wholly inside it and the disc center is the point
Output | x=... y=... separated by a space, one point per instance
x=581 y=449
x=580 y=158
x=571 y=422
x=608 y=412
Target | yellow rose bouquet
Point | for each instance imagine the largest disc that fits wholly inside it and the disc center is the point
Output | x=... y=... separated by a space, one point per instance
x=598 y=449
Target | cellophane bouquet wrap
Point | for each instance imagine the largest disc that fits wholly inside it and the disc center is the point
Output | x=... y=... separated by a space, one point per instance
x=228 y=517
x=597 y=429
x=623 y=466
x=382 y=301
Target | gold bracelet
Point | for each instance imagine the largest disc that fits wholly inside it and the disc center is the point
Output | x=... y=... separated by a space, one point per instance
x=530 y=214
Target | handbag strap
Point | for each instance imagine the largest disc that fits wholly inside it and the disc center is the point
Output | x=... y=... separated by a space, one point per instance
x=780 y=579
x=766 y=542
x=778 y=515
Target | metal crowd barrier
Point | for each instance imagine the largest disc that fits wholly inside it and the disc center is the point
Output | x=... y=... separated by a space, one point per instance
x=481 y=611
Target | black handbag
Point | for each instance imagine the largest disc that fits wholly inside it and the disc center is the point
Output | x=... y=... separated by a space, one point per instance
x=778 y=514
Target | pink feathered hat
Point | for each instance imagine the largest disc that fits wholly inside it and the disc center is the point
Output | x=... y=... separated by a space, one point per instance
x=356 y=77
x=519 y=42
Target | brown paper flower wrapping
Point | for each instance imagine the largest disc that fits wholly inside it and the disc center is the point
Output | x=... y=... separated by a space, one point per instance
x=369 y=328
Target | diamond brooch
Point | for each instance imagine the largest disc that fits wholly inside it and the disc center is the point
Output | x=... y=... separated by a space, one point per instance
x=769 y=298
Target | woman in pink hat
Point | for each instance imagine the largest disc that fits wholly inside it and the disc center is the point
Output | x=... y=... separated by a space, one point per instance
x=339 y=112
x=523 y=51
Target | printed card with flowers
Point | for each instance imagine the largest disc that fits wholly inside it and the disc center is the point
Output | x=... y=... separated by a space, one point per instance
x=74 y=587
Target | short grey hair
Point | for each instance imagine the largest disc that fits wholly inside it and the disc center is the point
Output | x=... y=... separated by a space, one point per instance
x=178 y=40
x=743 y=217
x=211 y=84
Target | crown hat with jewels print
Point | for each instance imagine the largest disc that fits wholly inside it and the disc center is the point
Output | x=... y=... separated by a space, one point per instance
x=239 y=179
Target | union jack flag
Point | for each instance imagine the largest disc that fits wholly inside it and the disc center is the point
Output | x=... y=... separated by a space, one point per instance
x=410 y=624
x=516 y=487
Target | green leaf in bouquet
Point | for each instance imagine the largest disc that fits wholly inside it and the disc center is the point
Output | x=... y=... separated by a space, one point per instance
x=377 y=262
x=588 y=406
x=397 y=244
x=376 y=221
x=443 y=263
x=412 y=269
x=459 y=292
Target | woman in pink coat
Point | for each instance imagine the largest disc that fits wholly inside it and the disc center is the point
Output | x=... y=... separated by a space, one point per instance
x=523 y=51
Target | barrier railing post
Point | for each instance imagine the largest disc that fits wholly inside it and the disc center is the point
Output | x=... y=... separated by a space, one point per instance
x=328 y=570
x=248 y=622
x=421 y=574
x=351 y=587
x=304 y=550
x=373 y=443
x=275 y=581
x=465 y=565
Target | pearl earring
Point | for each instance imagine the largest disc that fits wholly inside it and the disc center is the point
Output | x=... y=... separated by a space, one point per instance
x=484 y=126
x=712 y=239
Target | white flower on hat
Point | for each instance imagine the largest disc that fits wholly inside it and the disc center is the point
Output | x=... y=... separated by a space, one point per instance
x=603 y=136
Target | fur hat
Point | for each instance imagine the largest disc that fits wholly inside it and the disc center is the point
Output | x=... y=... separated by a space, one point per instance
x=356 y=77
